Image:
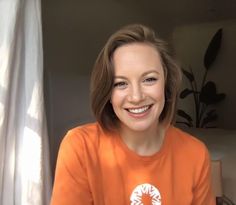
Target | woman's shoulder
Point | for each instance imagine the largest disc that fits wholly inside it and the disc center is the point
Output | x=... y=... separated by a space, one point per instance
x=82 y=139
x=86 y=143
x=88 y=128
x=185 y=141
x=87 y=132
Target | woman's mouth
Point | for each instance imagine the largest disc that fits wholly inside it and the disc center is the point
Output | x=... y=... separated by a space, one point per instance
x=139 y=110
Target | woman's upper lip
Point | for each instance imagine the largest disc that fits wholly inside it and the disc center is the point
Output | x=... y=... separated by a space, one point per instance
x=139 y=107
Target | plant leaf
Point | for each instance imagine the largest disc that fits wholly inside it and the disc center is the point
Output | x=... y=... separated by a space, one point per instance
x=186 y=116
x=209 y=119
x=208 y=94
x=185 y=93
x=188 y=75
x=219 y=97
x=211 y=112
x=213 y=49
x=185 y=123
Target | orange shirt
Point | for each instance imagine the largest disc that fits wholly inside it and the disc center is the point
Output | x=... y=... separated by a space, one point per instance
x=97 y=168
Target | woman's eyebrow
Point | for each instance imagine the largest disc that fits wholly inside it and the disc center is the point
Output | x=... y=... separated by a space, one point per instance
x=143 y=74
x=121 y=77
x=151 y=71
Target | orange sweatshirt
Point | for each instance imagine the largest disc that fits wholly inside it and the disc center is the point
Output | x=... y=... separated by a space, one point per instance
x=96 y=168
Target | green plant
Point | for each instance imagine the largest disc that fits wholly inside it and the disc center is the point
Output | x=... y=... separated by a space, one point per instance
x=207 y=95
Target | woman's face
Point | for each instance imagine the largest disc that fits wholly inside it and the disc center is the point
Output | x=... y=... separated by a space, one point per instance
x=138 y=95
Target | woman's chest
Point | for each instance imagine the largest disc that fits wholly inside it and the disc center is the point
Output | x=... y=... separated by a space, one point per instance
x=126 y=181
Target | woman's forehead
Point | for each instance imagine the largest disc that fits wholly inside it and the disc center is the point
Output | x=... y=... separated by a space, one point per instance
x=136 y=56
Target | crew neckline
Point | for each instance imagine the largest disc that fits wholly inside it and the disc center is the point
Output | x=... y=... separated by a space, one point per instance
x=134 y=155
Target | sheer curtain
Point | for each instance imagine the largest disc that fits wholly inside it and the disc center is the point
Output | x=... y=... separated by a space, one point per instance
x=24 y=154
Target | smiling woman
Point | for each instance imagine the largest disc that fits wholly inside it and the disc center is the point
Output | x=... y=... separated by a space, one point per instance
x=133 y=154
x=139 y=102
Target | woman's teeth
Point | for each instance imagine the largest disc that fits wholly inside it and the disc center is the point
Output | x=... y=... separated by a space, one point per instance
x=139 y=110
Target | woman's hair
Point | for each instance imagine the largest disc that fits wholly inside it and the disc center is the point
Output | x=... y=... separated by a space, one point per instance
x=102 y=78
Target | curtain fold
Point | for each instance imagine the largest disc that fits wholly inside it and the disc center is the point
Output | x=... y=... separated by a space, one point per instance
x=24 y=152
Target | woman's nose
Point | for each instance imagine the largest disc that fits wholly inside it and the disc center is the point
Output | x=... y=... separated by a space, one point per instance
x=136 y=94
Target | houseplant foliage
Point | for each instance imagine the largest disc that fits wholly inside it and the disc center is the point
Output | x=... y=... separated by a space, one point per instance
x=206 y=96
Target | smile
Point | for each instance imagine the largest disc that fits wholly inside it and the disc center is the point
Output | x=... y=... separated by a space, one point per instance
x=139 y=110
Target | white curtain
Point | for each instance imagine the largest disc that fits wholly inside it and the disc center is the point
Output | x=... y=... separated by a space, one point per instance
x=24 y=155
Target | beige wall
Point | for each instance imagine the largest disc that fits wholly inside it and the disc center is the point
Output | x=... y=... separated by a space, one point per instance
x=190 y=42
x=221 y=144
x=67 y=98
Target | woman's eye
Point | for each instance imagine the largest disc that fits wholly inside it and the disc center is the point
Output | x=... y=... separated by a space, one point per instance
x=150 y=80
x=120 y=85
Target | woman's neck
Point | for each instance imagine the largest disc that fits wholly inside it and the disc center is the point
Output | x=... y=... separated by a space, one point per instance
x=144 y=143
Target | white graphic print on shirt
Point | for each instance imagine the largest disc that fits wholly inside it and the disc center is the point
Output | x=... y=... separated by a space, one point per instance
x=145 y=189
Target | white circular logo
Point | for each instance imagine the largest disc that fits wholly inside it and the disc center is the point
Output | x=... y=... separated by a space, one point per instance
x=145 y=189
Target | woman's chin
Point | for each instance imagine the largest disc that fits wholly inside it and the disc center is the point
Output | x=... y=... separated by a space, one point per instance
x=139 y=127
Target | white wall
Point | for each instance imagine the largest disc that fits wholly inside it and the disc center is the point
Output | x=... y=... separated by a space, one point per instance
x=190 y=42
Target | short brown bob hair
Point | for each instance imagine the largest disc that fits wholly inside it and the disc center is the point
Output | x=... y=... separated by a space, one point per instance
x=102 y=77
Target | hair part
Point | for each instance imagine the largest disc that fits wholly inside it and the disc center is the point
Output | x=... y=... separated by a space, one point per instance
x=102 y=77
